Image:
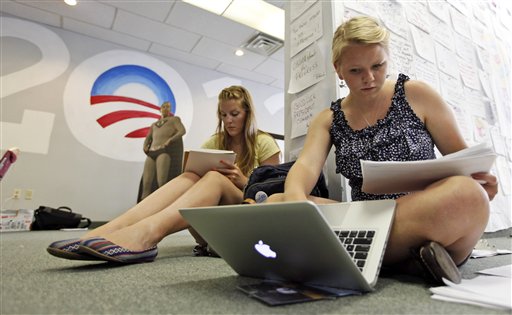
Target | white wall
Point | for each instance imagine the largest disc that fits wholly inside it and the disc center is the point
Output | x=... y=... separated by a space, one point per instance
x=67 y=158
x=309 y=36
x=461 y=48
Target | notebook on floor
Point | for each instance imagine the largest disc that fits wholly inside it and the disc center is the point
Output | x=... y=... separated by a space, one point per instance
x=300 y=242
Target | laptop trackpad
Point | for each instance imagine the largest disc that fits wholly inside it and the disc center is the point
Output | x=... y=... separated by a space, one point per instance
x=334 y=213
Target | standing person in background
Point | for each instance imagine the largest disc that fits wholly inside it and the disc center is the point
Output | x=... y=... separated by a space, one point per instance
x=133 y=236
x=164 y=149
x=435 y=229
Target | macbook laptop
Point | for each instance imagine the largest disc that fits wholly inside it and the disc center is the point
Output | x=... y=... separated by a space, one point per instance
x=337 y=245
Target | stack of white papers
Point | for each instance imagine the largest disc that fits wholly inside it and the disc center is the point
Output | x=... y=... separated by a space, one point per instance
x=394 y=177
x=492 y=289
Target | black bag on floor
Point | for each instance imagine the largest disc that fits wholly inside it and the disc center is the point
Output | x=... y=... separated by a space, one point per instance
x=47 y=218
x=270 y=179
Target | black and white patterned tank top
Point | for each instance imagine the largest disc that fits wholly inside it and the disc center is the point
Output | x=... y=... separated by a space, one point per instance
x=400 y=136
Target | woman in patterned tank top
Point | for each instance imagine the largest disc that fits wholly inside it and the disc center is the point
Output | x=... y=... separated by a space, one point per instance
x=434 y=229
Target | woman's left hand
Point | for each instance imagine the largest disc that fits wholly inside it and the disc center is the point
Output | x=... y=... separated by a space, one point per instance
x=488 y=181
x=233 y=173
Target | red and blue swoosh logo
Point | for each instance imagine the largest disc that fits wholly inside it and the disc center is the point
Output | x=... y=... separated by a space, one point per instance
x=104 y=89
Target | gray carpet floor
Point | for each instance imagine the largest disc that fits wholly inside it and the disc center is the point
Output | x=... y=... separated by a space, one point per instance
x=34 y=282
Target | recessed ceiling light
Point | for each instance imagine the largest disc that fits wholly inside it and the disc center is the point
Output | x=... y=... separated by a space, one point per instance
x=70 y=2
x=239 y=52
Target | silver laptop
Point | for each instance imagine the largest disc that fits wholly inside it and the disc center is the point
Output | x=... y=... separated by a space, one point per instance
x=300 y=242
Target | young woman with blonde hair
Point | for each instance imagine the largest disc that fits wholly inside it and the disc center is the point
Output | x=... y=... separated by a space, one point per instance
x=133 y=236
x=434 y=229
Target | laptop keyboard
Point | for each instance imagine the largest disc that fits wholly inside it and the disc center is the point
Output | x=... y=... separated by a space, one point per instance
x=357 y=243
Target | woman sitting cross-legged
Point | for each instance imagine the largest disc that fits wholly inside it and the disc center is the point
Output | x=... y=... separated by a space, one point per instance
x=434 y=229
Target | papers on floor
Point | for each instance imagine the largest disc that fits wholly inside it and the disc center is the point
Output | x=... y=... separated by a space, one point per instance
x=393 y=177
x=16 y=220
x=484 y=249
x=491 y=289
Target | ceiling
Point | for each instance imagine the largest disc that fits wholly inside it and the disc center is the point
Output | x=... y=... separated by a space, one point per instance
x=171 y=29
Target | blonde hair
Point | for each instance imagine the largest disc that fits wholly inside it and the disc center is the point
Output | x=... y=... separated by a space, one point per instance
x=245 y=160
x=358 y=30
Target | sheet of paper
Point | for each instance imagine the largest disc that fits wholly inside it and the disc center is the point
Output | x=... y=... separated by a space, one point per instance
x=479 y=253
x=502 y=271
x=394 y=177
x=484 y=249
x=447 y=297
x=487 y=291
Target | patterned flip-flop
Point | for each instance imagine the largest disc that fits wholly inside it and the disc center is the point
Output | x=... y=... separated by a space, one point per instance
x=68 y=249
x=108 y=251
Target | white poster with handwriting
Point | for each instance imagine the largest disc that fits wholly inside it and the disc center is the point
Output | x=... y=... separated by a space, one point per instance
x=485 y=83
x=402 y=51
x=479 y=35
x=306 y=29
x=465 y=49
x=297 y=7
x=474 y=103
x=446 y=60
x=464 y=122
x=484 y=59
x=307 y=68
x=440 y=10
x=427 y=72
x=392 y=15
x=364 y=7
x=460 y=23
x=469 y=74
x=443 y=34
x=481 y=129
x=303 y=110
x=423 y=44
x=418 y=14
x=451 y=89
x=480 y=12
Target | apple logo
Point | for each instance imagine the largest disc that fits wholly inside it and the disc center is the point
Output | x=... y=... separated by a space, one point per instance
x=265 y=250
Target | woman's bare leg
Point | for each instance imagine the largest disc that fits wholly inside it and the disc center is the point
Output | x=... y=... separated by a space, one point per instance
x=155 y=202
x=452 y=212
x=212 y=189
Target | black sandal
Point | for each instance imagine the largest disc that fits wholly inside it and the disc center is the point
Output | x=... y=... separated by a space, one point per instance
x=438 y=264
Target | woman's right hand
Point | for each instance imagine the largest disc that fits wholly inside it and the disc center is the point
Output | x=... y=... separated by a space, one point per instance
x=233 y=173
x=489 y=182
